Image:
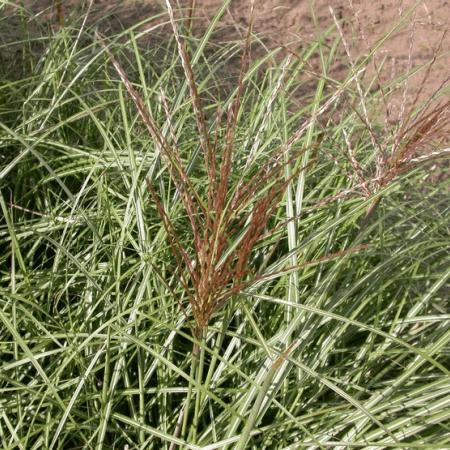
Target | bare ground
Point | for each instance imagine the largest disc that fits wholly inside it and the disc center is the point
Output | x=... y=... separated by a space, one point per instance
x=290 y=23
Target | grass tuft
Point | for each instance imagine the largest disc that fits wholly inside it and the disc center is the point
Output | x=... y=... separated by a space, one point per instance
x=216 y=246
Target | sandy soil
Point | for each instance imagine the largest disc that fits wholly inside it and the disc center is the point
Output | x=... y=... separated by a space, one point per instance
x=290 y=23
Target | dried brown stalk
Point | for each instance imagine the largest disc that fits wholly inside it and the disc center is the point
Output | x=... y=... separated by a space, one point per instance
x=226 y=227
x=417 y=135
x=59 y=12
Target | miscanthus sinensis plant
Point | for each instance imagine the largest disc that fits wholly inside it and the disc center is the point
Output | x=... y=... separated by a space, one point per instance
x=213 y=246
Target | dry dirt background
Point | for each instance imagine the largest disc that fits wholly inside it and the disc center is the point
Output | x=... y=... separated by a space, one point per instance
x=290 y=23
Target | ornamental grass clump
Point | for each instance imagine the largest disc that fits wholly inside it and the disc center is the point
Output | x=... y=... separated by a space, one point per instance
x=211 y=245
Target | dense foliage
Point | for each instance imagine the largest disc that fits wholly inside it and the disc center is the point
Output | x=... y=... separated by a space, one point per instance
x=204 y=249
